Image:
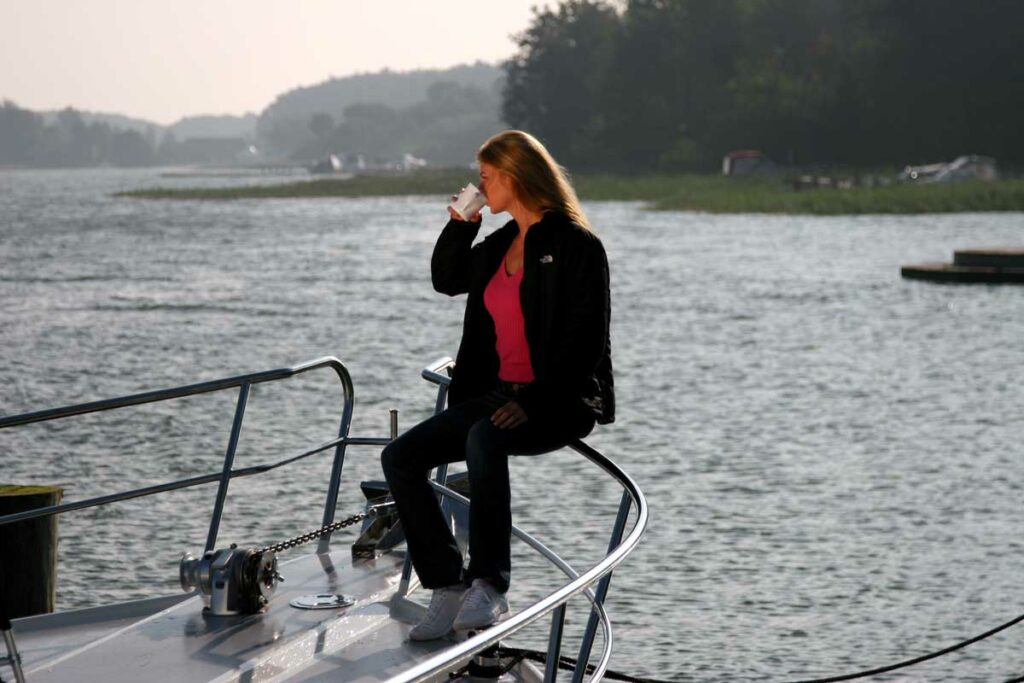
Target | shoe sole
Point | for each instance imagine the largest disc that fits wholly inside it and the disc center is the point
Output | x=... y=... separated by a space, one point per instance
x=423 y=639
x=469 y=627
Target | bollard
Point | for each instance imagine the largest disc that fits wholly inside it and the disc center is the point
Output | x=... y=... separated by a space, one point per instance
x=28 y=551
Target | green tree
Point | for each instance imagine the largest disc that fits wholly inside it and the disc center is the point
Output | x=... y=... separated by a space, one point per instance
x=787 y=75
x=76 y=147
x=946 y=78
x=554 y=83
x=373 y=130
x=321 y=125
x=21 y=135
x=666 y=99
x=130 y=148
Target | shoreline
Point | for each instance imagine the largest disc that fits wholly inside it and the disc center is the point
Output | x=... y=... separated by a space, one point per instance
x=772 y=194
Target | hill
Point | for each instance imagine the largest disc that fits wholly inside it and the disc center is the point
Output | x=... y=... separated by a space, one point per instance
x=204 y=126
x=375 y=120
x=215 y=127
x=395 y=89
x=115 y=121
x=435 y=114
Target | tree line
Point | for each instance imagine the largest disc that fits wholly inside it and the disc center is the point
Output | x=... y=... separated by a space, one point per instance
x=443 y=124
x=26 y=139
x=653 y=85
x=645 y=85
x=445 y=128
x=397 y=110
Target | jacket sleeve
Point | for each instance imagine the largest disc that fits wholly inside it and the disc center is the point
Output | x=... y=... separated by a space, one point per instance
x=579 y=344
x=451 y=262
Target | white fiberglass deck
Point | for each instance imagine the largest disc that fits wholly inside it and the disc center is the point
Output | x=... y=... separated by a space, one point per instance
x=170 y=639
x=156 y=640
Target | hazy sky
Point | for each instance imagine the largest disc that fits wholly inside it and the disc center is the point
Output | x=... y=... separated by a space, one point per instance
x=164 y=59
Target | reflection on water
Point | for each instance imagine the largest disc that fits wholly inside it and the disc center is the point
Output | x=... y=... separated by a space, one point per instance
x=831 y=454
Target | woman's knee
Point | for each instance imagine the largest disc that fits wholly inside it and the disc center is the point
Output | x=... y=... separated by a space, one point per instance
x=484 y=450
x=392 y=460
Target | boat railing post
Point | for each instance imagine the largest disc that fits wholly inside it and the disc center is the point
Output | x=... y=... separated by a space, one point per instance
x=554 y=644
x=229 y=460
x=339 y=454
x=339 y=463
x=441 y=476
x=13 y=658
x=602 y=590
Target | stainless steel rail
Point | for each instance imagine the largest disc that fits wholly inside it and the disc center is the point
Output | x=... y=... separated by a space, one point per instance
x=189 y=482
x=555 y=639
x=243 y=383
x=457 y=655
x=179 y=392
x=554 y=603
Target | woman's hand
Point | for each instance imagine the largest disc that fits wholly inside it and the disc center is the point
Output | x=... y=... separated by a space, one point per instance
x=475 y=218
x=508 y=416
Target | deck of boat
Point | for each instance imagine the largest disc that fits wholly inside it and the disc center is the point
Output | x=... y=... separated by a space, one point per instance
x=169 y=639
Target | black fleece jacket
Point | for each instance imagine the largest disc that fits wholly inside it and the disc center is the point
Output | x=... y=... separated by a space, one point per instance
x=566 y=308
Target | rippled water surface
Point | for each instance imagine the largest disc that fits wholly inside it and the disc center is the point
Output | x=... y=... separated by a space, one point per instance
x=832 y=455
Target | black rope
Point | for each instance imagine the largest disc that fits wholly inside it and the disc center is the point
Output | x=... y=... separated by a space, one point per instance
x=569 y=664
x=917 y=660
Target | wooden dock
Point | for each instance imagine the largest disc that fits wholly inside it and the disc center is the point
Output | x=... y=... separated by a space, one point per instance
x=994 y=265
x=28 y=552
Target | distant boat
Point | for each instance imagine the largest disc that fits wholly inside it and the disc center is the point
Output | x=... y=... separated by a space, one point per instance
x=966 y=167
x=332 y=164
x=993 y=266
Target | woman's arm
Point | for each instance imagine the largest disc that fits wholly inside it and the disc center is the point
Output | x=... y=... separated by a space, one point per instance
x=450 y=264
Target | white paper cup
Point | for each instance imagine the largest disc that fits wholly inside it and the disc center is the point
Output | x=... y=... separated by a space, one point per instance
x=469 y=202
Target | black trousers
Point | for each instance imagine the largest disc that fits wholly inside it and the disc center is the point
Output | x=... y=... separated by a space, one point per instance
x=465 y=432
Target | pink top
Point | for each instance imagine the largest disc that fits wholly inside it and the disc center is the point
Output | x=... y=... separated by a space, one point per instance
x=501 y=297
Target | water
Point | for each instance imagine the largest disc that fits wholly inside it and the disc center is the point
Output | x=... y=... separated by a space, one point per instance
x=831 y=453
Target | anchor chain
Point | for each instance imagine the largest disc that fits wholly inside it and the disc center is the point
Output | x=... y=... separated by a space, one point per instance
x=317 y=533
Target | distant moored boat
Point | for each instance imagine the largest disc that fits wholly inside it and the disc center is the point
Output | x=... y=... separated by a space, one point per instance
x=991 y=265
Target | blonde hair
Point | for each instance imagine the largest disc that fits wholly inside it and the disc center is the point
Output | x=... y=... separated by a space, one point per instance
x=537 y=179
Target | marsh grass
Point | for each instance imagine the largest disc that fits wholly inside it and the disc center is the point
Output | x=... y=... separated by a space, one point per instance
x=759 y=196
x=442 y=182
x=710 y=193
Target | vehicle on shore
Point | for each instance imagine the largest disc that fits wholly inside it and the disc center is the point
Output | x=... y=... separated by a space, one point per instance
x=965 y=167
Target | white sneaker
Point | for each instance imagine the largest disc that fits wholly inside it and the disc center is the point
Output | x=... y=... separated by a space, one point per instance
x=444 y=605
x=482 y=606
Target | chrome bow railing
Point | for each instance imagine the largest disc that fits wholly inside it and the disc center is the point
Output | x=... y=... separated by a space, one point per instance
x=620 y=546
x=244 y=383
x=593 y=583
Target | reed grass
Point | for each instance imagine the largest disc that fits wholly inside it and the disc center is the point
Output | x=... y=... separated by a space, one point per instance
x=441 y=182
x=762 y=197
x=710 y=193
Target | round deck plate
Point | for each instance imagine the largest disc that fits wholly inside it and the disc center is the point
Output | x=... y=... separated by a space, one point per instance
x=322 y=601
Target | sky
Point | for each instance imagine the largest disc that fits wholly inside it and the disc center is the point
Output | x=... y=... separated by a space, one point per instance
x=161 y=60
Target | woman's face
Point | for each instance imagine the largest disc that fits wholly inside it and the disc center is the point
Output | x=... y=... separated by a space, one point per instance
x=497 y=187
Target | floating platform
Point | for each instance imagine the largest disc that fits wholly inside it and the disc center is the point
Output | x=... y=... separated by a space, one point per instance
x=997 y=265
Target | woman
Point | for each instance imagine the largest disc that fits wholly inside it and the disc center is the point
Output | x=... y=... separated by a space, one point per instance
x=533 y=372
